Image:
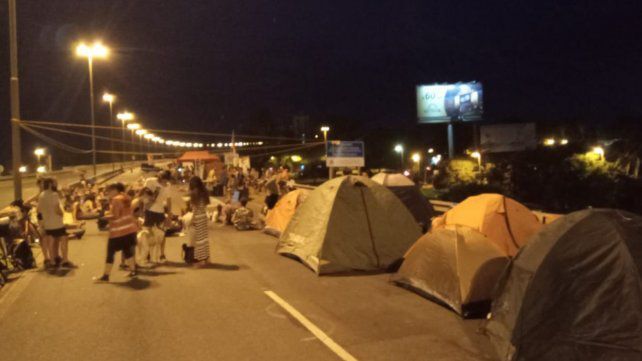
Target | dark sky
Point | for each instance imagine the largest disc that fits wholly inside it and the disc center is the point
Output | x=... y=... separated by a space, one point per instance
x=186 y=64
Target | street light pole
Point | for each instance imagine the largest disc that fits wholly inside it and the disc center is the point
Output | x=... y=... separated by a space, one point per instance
x=96 y=50
x=325 y=129
x=109 y=98
x=15 y=102
x=90 y=63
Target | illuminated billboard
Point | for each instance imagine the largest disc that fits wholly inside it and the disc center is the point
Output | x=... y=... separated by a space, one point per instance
x=441 y=103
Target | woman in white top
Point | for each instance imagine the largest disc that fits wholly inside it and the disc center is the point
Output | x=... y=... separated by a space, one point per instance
x=51 y=212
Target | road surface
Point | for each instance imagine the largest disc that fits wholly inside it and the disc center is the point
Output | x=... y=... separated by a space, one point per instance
x=223 y=312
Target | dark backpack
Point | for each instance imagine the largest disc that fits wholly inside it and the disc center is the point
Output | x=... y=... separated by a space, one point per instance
x=23 y=255
x=188 y=253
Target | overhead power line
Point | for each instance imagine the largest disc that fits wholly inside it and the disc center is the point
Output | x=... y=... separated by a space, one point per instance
x=163 y=131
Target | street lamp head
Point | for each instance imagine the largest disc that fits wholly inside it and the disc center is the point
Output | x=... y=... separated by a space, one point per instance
x=95 y=50
x=563 y=141
x=125 y=116
x=133 y=126
x=39 y=152
x=431 y=150
x=475 y=154
x=325 y=128
x=149 y=136
x=398 y=148
x=549 y=142
x=108 y=98
x=141 y=132
x=22 y=169
x=416 y=157
x=41 y=169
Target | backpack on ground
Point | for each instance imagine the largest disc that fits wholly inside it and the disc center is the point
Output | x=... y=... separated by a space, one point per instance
x=23 y=255
x=188 y=253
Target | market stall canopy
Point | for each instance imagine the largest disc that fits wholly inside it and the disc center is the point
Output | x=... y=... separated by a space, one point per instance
x=197 y=155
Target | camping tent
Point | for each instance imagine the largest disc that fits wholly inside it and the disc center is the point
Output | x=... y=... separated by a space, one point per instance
x=409 y=194
x=574 y=292
x=349 y=223
x=456 y=265
x=504 y=220
x=278 y=217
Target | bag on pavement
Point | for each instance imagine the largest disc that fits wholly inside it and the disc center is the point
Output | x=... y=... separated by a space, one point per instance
x=188 y=253
x=22 y=253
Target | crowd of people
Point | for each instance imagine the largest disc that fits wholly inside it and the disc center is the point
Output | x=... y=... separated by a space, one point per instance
x=127 y=212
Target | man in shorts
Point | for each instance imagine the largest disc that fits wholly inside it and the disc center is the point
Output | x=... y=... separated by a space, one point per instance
x=50 y=209
x=159 y=201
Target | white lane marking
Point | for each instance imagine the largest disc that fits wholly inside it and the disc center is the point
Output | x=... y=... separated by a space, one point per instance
x=322 y=336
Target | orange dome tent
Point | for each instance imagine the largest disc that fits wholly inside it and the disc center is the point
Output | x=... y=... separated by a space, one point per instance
x=503 y=220
x=279 y=217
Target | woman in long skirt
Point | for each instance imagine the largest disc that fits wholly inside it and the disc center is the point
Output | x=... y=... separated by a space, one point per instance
x=199 y=199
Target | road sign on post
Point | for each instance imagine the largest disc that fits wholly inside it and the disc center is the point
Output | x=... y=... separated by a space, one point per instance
x=345 y=154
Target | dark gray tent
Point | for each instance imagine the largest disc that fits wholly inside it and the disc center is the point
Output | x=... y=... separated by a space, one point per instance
x=409 y=194
x=573 y=292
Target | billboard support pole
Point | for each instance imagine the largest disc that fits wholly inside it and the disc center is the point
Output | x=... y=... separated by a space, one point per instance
x=451 y=140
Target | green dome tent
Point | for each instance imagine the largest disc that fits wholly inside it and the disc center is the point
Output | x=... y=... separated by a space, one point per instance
x=573 y=292
x=349 y=223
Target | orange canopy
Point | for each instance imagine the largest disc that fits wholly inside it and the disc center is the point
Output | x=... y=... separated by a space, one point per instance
x=197 y=155
x=503 y=220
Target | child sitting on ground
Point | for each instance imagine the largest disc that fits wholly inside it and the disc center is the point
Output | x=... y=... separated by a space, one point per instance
x=243 y=217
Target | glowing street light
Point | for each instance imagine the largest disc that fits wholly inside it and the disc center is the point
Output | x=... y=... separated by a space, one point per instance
x=549 y=142
x=477 y=155
x=325 y=129
x=109 y=98
x=416 y=157
x=399 y=149
x=124 y=117
x=39 y=152
x=22 y=169
x=99 y=51
x=599 y=151
x=41 y=169
x=431 y=150
x=563 y=141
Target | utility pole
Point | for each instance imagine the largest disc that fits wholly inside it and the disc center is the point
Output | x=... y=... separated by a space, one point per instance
x=16 y=147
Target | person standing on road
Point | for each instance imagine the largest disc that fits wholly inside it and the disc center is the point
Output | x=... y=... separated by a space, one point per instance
x=160 y=201
x=123 y=228
x=199 y=199
x=51 y=212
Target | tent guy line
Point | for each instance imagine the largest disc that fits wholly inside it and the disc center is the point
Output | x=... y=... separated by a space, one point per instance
x=316 y=331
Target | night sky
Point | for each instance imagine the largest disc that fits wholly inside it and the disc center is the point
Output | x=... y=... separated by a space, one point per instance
x=214 y=65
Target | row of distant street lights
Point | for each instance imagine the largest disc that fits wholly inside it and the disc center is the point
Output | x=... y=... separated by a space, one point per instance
x=127 y=119
x=476 y=154
x=416 y=157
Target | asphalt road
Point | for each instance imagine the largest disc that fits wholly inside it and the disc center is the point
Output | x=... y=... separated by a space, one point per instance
x=175 y=312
